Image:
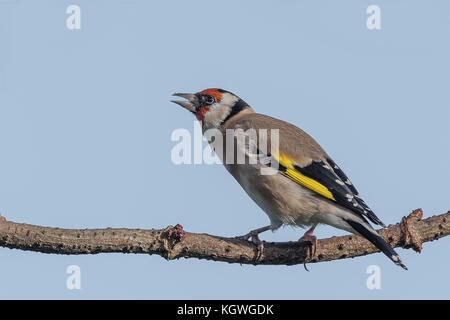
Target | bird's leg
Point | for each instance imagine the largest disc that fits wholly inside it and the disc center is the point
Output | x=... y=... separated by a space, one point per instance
x=309 y=237
x=255 y=239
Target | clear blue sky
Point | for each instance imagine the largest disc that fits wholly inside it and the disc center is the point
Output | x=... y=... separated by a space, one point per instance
x=85 y=125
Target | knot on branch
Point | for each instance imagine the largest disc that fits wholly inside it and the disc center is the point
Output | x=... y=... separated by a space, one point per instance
x=170 y=236
x=411 y=238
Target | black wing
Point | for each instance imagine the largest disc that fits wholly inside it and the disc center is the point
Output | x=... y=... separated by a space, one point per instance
x=344 y=192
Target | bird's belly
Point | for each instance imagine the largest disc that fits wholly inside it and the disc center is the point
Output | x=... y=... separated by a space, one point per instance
x=284 y=201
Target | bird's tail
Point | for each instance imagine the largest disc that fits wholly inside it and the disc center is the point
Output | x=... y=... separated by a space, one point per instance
x=377 y=241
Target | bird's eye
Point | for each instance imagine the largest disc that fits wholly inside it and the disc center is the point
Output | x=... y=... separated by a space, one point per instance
x=209 y=100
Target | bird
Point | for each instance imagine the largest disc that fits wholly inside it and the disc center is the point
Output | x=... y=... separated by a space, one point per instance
x=306 y=187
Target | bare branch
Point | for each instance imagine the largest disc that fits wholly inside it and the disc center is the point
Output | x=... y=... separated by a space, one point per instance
x=174 y=242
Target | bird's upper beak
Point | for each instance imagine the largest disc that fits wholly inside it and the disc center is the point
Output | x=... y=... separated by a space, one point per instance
x=191 y=104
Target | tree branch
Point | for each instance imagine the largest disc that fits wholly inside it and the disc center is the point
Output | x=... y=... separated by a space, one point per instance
x=174 y=242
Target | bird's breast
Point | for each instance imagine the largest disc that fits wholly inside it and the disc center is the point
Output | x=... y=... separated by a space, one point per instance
x=284 y=201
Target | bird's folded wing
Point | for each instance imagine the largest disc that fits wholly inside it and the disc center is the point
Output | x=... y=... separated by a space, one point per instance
x=302 y=160
x=329 y=181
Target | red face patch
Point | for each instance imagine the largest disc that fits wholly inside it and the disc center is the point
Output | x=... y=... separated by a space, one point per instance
x=201 y=111
x=212 y=92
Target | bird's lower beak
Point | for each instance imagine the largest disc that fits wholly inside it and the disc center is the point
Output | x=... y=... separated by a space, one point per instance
x=191 y=103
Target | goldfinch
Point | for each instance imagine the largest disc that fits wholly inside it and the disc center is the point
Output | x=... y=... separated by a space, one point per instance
x=308 y=188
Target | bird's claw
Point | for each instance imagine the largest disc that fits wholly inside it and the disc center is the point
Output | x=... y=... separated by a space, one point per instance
x=253 y=235
x=312 y=243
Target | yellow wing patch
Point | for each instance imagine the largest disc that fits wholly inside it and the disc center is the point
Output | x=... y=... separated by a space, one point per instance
x=303 y=180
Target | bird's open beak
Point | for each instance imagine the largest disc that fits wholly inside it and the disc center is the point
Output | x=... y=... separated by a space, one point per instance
x=191 y=104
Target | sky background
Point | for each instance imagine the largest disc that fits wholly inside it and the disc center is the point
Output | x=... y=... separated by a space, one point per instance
x=85 y=126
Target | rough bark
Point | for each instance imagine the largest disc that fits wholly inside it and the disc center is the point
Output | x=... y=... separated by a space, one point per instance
x=174 y=242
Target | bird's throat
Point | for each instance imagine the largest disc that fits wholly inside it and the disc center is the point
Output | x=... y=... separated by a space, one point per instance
x=200 y=114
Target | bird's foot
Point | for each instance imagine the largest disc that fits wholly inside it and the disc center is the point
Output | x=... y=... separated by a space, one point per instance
x=312 y=243
x=253 y=235
x=309 y=238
